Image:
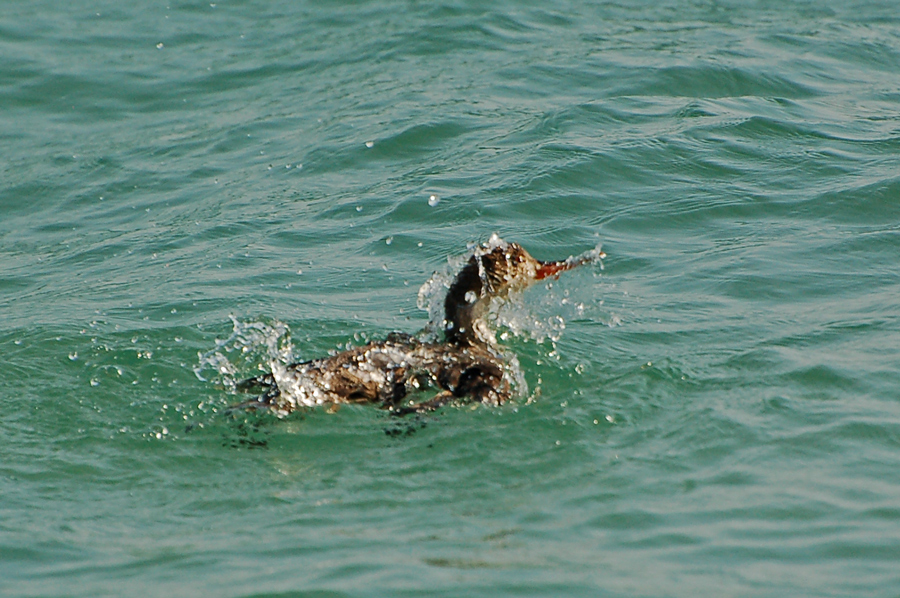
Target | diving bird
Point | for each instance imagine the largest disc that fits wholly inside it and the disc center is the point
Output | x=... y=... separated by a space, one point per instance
x=467 y=365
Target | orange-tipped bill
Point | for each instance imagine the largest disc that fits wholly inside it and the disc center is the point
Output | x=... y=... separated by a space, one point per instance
x=552 y=269
x=546 y=269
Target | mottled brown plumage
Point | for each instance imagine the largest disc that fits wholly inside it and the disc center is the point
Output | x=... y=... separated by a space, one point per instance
x=466 y=366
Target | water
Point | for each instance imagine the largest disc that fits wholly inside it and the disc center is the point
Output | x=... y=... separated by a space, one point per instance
x=716 y=412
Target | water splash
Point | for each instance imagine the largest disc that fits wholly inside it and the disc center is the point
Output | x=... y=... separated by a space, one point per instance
x=252 y=345
x=266 y=346
x=431 y=299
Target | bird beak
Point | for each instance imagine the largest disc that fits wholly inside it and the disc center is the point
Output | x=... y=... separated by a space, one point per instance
x=546 y=269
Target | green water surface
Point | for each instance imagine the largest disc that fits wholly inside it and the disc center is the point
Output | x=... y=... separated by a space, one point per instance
x=719 y=417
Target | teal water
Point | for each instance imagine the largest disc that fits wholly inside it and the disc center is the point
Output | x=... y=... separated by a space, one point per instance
x=719 y=414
